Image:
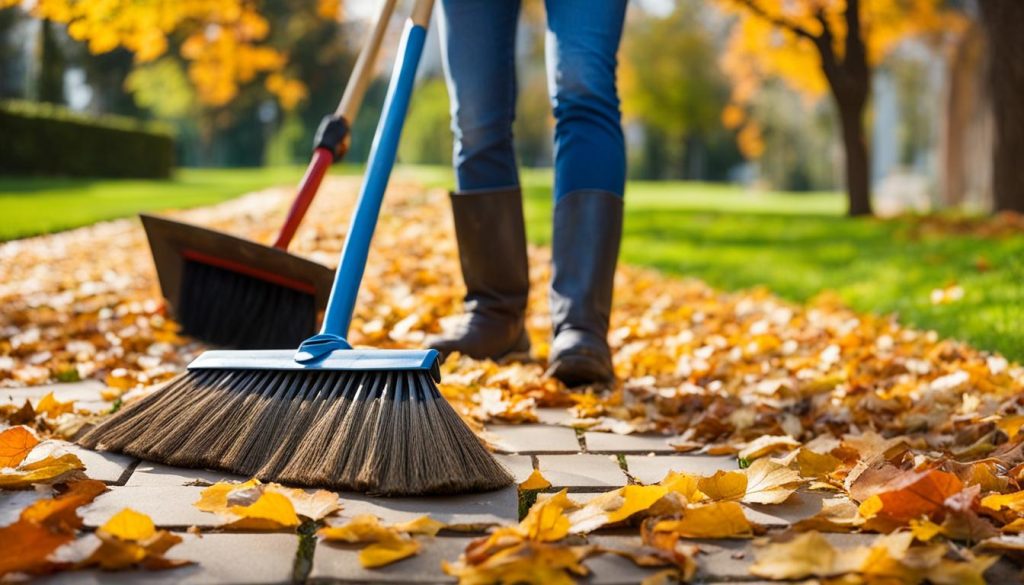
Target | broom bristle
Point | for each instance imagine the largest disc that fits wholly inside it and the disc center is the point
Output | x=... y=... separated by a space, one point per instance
x=383 y=433
x=246 y=312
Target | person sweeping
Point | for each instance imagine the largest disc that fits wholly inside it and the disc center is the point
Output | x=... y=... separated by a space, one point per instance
x=478 y=46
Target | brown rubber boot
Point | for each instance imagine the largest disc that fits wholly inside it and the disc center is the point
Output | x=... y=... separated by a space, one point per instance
x=587 y=233
x=491 y=234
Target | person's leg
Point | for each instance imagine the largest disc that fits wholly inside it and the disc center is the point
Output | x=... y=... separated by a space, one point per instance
x=581 y=52
x=478 y=45
x=478 y=49
x=590 y=173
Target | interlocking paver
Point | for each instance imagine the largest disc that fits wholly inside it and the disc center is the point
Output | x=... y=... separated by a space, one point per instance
x=218 y=558
x=533 y=439
x=553 y=416
x=609 y=569
x=167 y=506
x=157 y=475
x=581 y=471
x=521 y=466
x=615 y=443
x=13 y=502
x=104 y=466
x=339 y=563
x=652 y=469
x=468 y=512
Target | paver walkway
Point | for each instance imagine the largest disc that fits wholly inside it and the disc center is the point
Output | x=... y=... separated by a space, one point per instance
x=585 y=463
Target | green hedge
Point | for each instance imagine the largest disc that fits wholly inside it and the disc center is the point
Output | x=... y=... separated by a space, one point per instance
x=42 y=139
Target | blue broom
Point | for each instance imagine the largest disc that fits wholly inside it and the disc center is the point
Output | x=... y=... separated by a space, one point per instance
x=325 y=415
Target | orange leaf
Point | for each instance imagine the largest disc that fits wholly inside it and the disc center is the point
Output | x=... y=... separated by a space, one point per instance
x=912 y=495
x=15 y=444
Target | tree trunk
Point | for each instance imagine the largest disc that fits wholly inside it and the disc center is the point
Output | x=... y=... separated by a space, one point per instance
x=858 y=164
x=1004 y=21
x=50 y=84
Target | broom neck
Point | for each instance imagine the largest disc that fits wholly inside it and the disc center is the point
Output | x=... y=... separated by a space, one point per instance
x=341 y=305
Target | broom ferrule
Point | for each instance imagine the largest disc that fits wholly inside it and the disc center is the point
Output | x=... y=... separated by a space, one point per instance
x=318 y=347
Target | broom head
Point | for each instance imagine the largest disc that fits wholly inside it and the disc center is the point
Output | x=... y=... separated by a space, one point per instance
x=371 y=421
x=233 y=292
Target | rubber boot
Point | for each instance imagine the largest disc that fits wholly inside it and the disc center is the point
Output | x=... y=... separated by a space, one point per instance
x=587 y=233
x=491 y=234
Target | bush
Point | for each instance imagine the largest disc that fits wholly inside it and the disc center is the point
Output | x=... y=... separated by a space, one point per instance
x=42 y=139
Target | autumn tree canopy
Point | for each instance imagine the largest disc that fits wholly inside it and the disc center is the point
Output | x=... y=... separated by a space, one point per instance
x=223 y=41
x=820 y=47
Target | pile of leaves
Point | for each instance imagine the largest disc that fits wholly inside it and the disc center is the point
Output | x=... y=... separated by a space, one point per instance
x=909 y=433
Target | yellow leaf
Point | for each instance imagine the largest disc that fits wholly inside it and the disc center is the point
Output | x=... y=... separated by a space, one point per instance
x=315 y=506
x=807 y=555
x=362 y=528
x=715 y=520
x=683 y=484
x=422 y=525
x=536 y=481
x=769 y=483
x=766 y=444
x=724 y=485
x=924 y=530
x=615 y=506
x=129 y=525
x=1013 y=501
x=816 y=465
x=15 y=445
x=45 y=471
x=546 y=521
x=387 y=551
x=271 y=511
x=215 y=498
x=50 y=407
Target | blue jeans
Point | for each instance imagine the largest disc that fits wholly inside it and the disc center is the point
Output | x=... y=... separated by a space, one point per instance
x=478 y=43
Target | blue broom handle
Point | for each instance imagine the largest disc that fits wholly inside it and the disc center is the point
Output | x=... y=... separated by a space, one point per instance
x=342 y=301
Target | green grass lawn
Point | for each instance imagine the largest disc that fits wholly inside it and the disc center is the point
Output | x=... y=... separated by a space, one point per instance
x=799 y=245
x=795 y=244
x=31 y=206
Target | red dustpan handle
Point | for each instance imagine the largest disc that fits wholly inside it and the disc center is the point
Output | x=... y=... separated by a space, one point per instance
x=333 y=136
x=322 y=159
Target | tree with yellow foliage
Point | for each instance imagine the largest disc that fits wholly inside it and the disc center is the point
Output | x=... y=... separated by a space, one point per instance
x=818 y=47
x=223 y=41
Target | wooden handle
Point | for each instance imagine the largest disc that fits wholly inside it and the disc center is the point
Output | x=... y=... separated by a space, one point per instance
x=362 y=73
x=421 y=12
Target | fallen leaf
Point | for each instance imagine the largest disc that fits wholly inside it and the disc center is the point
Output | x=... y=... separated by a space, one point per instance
x=714 y=520
x=768 y=482
x=424 y=525
x=524 y=562
x=766 y=444
x=271 y=511
x=806 y=555
x=386 y=552
x=53 y=408
x=724 y=485
x=15 y=445
x=43 y=527
x=130 y=539
x=49 y=470
x=129 y=525
x=387 y=544
x=911 y=494
x=536 y=481
x=614 y=506
x=316 y=505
